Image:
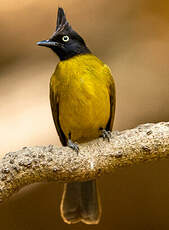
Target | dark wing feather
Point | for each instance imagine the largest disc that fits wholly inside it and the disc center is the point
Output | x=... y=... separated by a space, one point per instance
x=112 y=94
x=109 y=125
x=54 y=102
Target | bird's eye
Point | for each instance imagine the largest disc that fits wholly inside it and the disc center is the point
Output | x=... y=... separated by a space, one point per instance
x=65 y=38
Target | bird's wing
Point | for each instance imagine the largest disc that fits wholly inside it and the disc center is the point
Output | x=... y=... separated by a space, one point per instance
x=112 y=93
x=54 y=102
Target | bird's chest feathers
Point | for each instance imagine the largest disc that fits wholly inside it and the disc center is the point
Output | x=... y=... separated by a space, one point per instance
x=80 y=86
x=84 y=104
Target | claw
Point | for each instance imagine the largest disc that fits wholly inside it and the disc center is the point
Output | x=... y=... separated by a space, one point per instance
x=73 y=146
x=106 y=134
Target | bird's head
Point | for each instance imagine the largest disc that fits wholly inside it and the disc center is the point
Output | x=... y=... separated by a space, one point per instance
x=65 y=42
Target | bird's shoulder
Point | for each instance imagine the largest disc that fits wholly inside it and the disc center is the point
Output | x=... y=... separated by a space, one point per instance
x=84 y=68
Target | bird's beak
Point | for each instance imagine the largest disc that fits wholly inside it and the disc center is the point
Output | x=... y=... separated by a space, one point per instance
x=47 y=43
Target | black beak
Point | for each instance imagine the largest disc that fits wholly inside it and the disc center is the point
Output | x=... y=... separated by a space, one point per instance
x=47 y=43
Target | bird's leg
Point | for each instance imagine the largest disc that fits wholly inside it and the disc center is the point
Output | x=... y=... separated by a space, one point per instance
x=72 y=145
x=106 y=134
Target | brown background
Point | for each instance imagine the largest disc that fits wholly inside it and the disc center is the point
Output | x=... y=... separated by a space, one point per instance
x=132 y=37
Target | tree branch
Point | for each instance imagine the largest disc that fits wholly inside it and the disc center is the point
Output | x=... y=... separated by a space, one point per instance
x=36 y=164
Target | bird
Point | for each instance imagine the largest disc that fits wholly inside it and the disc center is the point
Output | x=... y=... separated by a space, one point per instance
x=82 y=98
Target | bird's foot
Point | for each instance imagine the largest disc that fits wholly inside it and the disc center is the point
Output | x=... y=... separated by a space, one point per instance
x=73 y=146
x=105 y=134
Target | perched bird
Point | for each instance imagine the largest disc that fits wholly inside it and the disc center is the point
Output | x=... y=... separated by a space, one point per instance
x=82 y=97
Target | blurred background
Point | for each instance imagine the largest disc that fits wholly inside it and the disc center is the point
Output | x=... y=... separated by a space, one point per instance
x=132 y=37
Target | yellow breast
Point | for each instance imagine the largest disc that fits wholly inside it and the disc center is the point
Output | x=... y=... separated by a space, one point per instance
x=81 y=88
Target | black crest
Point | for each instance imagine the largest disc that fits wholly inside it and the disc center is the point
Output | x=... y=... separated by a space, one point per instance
x=75 y=44
x=62 y=23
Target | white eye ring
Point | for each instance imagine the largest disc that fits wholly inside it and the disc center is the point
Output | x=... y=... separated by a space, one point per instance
x=65 y=38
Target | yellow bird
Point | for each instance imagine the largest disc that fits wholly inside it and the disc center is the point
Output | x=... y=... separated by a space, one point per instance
x=82 y=96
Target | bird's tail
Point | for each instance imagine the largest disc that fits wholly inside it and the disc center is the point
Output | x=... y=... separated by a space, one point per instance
x=81 y=202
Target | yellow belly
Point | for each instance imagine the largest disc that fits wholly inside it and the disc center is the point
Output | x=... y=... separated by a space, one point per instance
x=80 y=87
x=83 y=110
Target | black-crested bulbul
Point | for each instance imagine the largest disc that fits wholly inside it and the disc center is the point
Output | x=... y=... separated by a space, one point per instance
x=82 y=97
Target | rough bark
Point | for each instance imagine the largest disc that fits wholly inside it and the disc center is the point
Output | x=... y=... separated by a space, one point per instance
x=51 y=163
